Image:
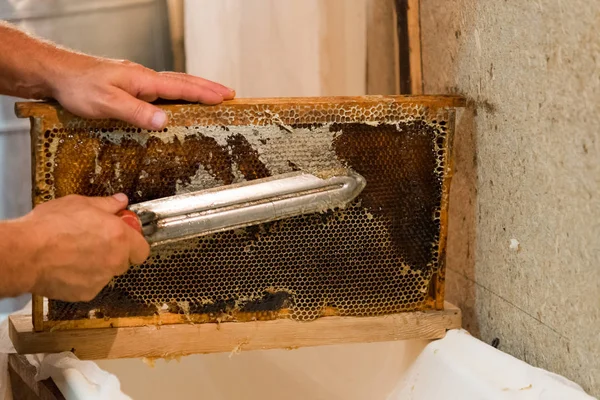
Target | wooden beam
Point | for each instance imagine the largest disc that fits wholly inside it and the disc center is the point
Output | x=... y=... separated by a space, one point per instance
x=414 y=46
x=278 y=48
x=409 y=46
x=183 y=339
x=342 y=47
x=37 y=310
x=176 y=18
x=53 y=113
x=382 y=48
x=23 y=383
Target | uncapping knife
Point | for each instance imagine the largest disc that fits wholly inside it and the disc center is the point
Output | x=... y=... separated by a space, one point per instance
x=244 y=204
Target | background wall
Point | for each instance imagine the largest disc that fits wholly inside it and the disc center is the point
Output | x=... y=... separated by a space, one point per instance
x=270 y=48
x=528 y=169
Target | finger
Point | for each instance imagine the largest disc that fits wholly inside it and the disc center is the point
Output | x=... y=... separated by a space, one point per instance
x=139 y=249
x=125 y=107
x=224 y=91
x=176 y=87
x=149 y=98
x=112 y=204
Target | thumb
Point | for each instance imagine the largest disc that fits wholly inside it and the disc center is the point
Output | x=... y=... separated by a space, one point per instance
x=112 y=204
x=136 y=112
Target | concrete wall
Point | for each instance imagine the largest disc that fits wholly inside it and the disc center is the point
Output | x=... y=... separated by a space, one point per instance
x=528 y=169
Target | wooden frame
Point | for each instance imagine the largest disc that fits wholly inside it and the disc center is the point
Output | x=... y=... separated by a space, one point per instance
x=148 y=338
x=45 y=116
x=183 y=339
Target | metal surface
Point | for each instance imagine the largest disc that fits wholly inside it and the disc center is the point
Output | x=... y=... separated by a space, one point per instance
x=244 y=204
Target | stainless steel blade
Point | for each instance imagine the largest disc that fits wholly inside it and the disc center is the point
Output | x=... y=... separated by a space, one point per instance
x=247 y=203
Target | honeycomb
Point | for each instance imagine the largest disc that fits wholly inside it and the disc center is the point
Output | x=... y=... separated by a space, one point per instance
x=382 y=254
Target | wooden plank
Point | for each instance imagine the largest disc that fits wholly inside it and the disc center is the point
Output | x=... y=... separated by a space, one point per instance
x=278 y=48
x=23 y=383
x=343 y=47
x=19 y=389
x=403 y=46
x=166 y=319
x=176 y=16
x=414 y=46
x=37 y=312
x=49 y=109
x=382 y=48
x=272 y=46
x=409 y=46
x=439 y=278
x=176 y=340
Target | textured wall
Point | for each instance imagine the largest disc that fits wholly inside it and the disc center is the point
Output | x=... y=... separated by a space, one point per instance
x=528 y=168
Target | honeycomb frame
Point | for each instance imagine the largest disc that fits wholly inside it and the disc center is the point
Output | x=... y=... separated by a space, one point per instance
x=357 y=132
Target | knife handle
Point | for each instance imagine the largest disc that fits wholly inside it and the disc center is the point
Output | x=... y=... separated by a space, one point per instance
x=131 y=219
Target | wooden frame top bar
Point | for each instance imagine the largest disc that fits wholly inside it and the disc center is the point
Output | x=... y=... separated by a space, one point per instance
x=39 y=108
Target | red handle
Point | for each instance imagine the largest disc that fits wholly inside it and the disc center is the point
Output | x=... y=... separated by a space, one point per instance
x=131 y=219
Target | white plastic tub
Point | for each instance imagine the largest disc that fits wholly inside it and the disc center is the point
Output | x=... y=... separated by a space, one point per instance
x=358 y=371
x=456 y=367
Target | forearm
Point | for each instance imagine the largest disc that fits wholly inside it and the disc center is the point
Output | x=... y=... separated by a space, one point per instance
x=27 y=64
x=17 y=269
x=95 y=87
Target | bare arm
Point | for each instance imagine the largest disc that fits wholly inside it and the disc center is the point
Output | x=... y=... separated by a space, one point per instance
x=95 y=87
x=69 y=248
x=16 y=275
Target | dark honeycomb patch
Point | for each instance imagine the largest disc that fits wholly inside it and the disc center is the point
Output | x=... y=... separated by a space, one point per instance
x=398 y=166
x=247 y=158
x=111 y=302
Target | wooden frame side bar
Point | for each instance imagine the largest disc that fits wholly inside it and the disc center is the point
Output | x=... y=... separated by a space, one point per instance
x=37 y=312
x=37 y=302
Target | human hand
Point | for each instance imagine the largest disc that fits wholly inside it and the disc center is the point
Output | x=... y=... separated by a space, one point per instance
x=93 y=87
x=79 y=245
